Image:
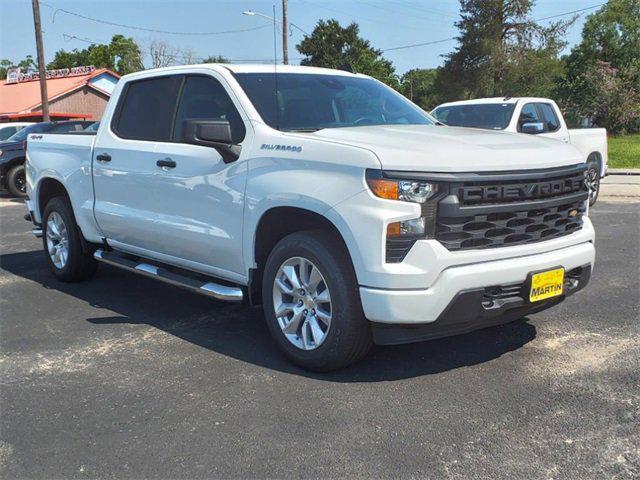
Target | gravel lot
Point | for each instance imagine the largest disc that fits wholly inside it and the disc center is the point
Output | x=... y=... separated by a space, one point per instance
x=122 y=377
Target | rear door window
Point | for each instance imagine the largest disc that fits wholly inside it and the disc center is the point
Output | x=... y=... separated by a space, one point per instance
x=204 y=98
x=147 y=109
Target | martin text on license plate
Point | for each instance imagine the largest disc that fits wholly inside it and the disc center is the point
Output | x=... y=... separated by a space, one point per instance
x=546 y=284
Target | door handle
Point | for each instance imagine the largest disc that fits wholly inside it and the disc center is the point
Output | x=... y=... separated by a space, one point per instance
x=166 y=163
x=103 y=157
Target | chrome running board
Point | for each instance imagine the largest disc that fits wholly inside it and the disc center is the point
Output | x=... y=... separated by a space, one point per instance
x=208 y=288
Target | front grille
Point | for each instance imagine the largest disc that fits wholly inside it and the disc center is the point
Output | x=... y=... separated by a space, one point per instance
x=509 y=228
x=499 y=212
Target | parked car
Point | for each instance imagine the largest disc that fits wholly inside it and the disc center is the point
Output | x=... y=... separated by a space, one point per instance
x=333 y=201
x=11 y=128
x=12 y=152
x=93 y=127
x=533 y=116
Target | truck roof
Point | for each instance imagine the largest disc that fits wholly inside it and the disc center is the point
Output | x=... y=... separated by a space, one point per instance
x=496 y=100
x=248 y=68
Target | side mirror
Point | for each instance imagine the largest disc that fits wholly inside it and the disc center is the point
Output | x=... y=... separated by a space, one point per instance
x=532 y=128
x=212 y=133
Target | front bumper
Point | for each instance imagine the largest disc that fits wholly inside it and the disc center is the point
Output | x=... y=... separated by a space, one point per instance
x=423 y=306
x=475 y=309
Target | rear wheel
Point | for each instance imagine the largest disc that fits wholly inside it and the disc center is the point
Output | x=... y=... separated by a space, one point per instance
x=67 y=259
x=312 y=302
x=17 y=181
x=593 y=181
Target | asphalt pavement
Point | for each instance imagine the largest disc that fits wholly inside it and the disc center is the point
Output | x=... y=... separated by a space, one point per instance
x=122 y=377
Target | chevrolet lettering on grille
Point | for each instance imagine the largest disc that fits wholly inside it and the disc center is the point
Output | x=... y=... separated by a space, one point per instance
x=523 y=191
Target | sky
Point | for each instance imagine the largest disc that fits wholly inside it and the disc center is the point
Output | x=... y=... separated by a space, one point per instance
x=386 y=24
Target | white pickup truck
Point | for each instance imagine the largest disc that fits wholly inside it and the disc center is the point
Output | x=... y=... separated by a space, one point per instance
x=325 y=196
x=533 y=116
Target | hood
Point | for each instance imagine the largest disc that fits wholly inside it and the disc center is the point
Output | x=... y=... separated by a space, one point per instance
x=434 y=148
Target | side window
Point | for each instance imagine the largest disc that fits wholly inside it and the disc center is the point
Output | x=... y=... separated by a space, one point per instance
x=529 y=114
x=551 y=122
x=66 y=127
x=204 y=98
x=7 y=132
x=147 y=109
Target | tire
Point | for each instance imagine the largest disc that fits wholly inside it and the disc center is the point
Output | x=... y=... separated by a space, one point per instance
x=593 y=181
x=347 y=338
x=16 y=181
x=58 y=225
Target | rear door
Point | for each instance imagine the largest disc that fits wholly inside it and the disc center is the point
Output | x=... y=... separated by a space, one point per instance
x=124 y=162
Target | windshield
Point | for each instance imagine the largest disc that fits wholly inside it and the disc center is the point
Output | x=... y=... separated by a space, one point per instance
x=21 y=136
x=492 y=116
x=309 y=102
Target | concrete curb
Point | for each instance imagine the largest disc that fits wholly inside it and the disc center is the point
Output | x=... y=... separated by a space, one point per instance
x=623 y=171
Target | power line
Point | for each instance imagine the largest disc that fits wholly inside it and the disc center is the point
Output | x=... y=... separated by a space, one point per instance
x=145 y=29
x=569 y=13
x=454 y=38
x=67 y=37
x=419 y=44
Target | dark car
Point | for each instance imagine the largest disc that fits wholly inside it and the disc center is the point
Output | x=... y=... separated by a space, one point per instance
x=12 y=152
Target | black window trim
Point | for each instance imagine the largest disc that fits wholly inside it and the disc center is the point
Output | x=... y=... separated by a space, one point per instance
x=115 y=119
x=123 y=96
x=541 y=113
x=536 y=105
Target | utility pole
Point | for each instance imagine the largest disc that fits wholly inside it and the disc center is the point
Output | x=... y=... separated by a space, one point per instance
x=285 y=34
x=41 y=66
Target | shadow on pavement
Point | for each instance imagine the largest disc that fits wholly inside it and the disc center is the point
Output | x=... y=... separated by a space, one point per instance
x=240 y=332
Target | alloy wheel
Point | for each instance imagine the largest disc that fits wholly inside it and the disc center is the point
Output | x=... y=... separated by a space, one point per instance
x=302 y=303
x=593 y=183
x=57 y=240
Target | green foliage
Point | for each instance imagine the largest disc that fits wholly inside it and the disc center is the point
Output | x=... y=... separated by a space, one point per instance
x=332 y=46
x=27 y=65
x=215 y=59
x=418 y=86
x=122 y=55
x=603 y=70
x=624 y=152
x=501 y=52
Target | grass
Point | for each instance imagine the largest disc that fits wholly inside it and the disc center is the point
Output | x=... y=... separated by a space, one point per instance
x=624 y=151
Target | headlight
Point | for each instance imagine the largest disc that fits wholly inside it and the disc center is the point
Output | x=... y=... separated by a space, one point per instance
x=416 y=191
x=402 y=235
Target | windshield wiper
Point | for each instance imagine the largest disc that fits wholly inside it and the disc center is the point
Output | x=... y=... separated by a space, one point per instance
x=303 y=130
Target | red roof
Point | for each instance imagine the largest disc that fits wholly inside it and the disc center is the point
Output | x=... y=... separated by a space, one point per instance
x=25 y=96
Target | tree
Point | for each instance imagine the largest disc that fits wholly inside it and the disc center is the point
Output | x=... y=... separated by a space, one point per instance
x=418 y=86
x=162 y=54
x=27 y=65
x=501 y=51
x=603 y=71
x=215 y=59
x=332 y=46
x=121 y=55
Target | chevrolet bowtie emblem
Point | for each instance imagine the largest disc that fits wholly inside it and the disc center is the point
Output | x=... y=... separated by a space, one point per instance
x=573 y=213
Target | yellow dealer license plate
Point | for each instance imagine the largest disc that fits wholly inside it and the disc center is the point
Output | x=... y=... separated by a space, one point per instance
x=547 y=284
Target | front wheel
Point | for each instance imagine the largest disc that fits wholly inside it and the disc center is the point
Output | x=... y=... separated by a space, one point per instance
x=67 y=259
x=17 y=181
x=312 y=302
x=593 y=182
